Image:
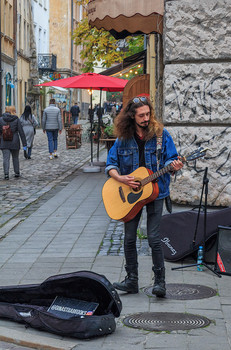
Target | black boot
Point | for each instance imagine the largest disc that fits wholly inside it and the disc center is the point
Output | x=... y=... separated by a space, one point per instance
x=130 y=283
x=25 y=154
x=159 y=285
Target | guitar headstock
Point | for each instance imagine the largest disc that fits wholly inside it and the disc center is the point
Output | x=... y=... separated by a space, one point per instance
x=199 y=153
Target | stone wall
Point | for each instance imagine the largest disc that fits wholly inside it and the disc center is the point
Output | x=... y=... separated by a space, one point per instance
x=197 y=94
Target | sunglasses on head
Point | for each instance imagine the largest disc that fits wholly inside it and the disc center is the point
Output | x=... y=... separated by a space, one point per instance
x=139 y=99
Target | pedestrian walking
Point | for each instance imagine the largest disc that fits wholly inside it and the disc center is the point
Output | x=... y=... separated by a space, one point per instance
x=142 y=141
x=9 y=140
x=29 y=124
x=113 y=111
x=52 y=126
x=75 y=113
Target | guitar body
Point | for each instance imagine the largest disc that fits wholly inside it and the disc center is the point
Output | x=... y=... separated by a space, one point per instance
x=122 y=202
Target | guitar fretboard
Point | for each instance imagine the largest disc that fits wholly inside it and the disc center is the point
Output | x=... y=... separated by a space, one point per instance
x=155 y=175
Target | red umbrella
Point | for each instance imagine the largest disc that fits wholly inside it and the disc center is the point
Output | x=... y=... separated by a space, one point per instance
x=92 y=81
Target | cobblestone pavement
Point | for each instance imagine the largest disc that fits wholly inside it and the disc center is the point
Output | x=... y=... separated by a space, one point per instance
x=113 y=240
x=39 y=174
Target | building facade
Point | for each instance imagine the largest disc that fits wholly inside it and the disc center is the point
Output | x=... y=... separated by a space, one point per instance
x=40 y=14
x=40 y=33
x=23 y=49
x=64 y=17
x=34 y=32
x=8 y=52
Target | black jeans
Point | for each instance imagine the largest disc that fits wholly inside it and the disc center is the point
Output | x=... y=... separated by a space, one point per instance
x=154 y=214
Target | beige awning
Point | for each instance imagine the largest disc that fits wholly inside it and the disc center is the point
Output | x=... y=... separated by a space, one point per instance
x=124 y=17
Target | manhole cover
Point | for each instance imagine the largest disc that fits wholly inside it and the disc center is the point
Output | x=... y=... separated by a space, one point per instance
x=185 y=291
x=165 y=321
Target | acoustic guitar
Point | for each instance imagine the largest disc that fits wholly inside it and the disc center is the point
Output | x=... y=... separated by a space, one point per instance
x=123 y=202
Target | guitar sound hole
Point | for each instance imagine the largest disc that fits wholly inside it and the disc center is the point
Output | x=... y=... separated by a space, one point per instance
x=138 y=188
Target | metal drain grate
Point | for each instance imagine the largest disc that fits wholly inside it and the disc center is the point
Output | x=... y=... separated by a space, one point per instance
x=185 y=291
x=165 y=321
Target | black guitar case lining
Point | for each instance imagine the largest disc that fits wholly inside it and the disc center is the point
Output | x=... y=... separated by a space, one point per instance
x=177 y=231
x=29 y=304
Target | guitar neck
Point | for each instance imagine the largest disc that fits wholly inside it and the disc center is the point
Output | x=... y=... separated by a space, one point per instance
x=158 y=173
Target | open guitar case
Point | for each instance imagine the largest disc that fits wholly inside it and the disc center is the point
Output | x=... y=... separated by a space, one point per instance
x=29 y=304
x=177 y=232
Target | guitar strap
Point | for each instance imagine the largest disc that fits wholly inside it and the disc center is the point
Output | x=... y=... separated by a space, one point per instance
x=158 y=150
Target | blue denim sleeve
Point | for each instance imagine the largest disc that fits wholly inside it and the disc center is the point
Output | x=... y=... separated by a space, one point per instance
x=112 y=159
x=170 y=149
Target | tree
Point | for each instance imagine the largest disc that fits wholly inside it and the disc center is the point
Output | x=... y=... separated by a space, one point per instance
x=101 y=46
x=114 y=96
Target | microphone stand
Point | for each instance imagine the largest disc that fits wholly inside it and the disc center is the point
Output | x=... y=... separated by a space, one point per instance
x=204 y=190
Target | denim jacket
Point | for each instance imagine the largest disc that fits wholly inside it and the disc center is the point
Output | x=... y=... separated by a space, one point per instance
x=124 y=157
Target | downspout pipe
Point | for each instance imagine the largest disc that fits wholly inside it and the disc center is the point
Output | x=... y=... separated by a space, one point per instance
x=15 y=57
x=0 y=61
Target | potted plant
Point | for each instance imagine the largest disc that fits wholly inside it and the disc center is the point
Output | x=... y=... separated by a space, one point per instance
x=109 y=132
x=108 y=136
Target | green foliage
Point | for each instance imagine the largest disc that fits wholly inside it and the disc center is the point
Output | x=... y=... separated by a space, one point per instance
x=135 y=44
x=101 y=46
x=109 y=131
x=140 y=234
x=98 y=46
x=114 y=96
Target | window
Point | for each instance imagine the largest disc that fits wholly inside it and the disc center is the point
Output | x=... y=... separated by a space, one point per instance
x=8 y=89
x=80 y=13
x=44 y=40
x=25 y=90
x=35 y=35
x=40 y=41
x=11 y=22
x=28 y=39
x=28 y=7
x=19 y=33
x=24 y=43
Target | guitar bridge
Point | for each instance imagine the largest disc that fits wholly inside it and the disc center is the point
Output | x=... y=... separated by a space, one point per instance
x=122 y=194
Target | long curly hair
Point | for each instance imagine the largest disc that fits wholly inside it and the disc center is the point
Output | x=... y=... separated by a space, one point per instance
x=125 y=124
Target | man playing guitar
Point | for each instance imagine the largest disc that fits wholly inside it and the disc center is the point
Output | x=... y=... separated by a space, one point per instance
x=142 y=141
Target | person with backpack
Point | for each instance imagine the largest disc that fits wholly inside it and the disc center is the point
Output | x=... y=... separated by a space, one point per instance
x=52 y=126
x=10 y=130
x=29 y=124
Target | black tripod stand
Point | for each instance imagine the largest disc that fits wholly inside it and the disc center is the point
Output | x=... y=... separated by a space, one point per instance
x=204 y=190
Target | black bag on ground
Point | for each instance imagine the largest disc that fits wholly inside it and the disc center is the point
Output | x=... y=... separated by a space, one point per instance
x=29 y=304
x=177 y=231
